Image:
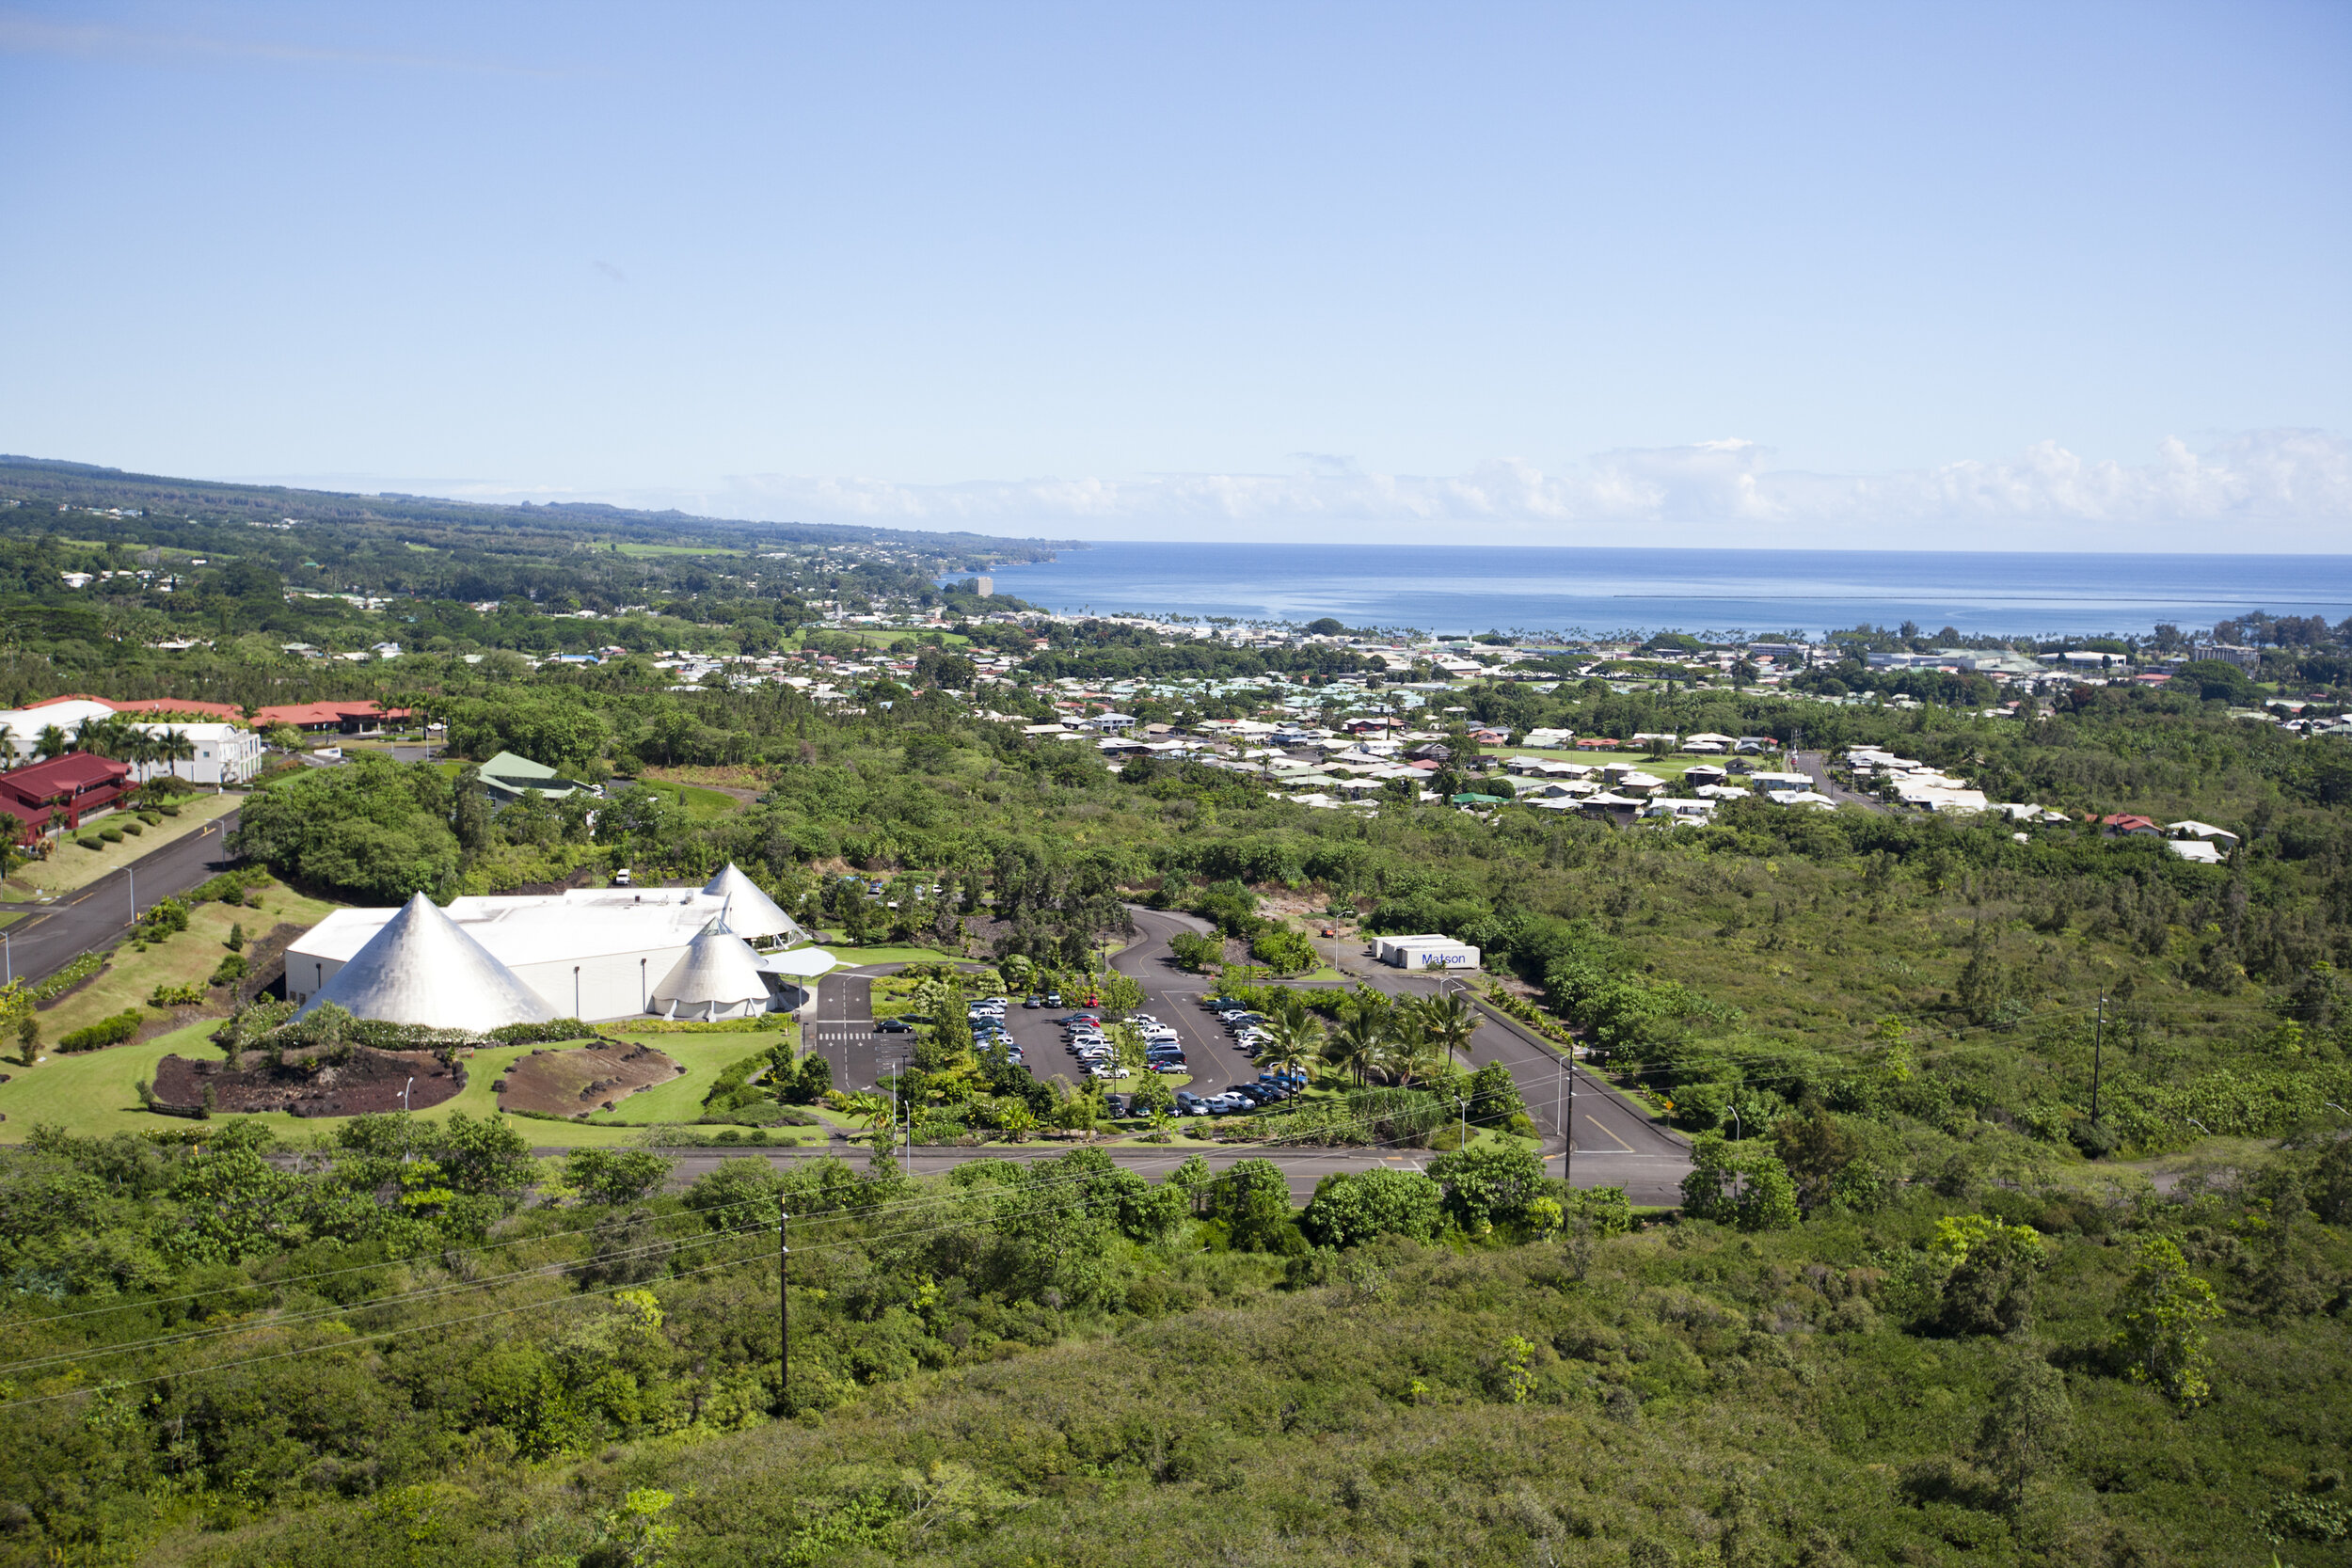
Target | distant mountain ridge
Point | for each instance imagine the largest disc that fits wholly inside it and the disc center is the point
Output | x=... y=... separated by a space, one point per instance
x=61 y=481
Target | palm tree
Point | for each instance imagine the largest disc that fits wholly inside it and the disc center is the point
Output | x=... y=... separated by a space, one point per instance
x=1354 y=1046
x=51 y=743
x=1292 y=1041
x=1448 y=1021
x=175 y=746
x=8 y=745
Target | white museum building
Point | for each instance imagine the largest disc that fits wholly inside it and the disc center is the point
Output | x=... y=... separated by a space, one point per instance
x=594 y=954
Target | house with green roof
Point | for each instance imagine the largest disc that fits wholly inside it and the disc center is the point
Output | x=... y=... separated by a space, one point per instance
x=507 y=776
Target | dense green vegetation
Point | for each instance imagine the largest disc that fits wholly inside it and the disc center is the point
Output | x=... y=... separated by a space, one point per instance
x=1921 y=1304
x=379 y=1355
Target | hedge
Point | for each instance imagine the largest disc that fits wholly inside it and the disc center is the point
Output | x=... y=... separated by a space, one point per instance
x=67 y=978
x=105 y=1032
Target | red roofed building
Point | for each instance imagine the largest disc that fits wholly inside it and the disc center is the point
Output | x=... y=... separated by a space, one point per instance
x=68 y=787
x=2125 y=824
x=179 y=707
x=346 y=718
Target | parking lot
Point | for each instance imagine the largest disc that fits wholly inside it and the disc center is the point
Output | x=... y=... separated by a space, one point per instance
x=845 y=1035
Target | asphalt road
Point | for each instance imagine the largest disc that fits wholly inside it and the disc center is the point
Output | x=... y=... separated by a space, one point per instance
x=1815 y=766
x=1612 y=1142
x=62 y=931
x=1303 y=1168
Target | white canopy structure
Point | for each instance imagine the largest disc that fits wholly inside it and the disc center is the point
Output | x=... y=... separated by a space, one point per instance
x=718 y=977
x=801 y=963
x=423 y=968
x=749 y=911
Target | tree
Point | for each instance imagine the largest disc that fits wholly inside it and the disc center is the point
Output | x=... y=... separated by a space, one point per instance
x=1494 y=1099
x=2162 y=1338
x=1197 y=952
x=1350 y=1207
x=1736 y=1185
x=1294 y=1040
x=1489 y=1186
x=614 y=1176
x=1253 y=1198
x=1990 y=1270
x=1355 y=1045
x=2027 y=1423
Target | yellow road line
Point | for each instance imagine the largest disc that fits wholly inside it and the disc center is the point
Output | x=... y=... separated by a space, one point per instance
x=1612 y=1137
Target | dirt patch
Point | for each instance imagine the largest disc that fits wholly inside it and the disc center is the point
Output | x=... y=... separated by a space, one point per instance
x=265 y=961
x=369 y=1080
x=587 y=1078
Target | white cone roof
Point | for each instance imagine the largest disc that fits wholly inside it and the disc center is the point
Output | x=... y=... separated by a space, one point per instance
x=718 y=969
x=423 y=968
x=749 y=911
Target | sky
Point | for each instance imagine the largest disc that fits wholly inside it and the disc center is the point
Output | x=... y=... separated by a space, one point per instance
x=2048 y=276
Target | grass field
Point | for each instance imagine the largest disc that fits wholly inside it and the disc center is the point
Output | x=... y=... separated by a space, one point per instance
x=699 y=803
x=191 y=956
x=704 y=1058
x=668 y=549
x=92 y=1094
x=845 y=954
x=69 y=865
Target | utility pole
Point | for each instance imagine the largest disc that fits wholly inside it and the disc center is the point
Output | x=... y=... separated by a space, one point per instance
x=2098 y=1038
x=784 y=1305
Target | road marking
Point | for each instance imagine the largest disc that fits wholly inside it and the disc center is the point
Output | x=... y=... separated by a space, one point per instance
x=1612 y=1137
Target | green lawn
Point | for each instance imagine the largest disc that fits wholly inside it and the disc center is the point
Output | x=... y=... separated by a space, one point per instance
x=69 y=865
x=668 y=549
x=849 y=955
x=192 y=955
x=704 y=1058
x=699 y=803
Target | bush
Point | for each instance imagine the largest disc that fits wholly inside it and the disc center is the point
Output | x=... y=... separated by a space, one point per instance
x=189 y=995
x=105 y=1032
x=132 y=828
x=112 y=836
x=230 y=970
x=67 y=978
x=1352 y=1207
x=1286 y=951
x=91 y=841
x=168 y=811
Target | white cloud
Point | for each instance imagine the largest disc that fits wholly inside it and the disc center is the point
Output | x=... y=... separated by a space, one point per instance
x=2279 y=490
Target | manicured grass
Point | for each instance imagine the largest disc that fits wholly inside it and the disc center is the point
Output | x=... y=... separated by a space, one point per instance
x=668 y=549
x=191 y=956
x=855 y=956
x=699 y=803
x=704 y=1058
x=69 y=865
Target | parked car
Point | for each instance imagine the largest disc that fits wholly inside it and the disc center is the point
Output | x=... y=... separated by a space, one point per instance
x=894 y=1026
x=1034 y=1003
x=1053 y=999
x=1170 y=1065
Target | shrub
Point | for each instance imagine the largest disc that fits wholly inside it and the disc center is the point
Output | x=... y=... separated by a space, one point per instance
x=1286 y=951
x=105 y=1032
x=112 y=836
x=132 y=828
x=1351 y=1207
x=189 y=995
x=230 y=970
x=91 y=841
x=168 y=811
x=70 y=975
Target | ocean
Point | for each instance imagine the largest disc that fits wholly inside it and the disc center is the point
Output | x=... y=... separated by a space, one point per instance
x=1599 y=593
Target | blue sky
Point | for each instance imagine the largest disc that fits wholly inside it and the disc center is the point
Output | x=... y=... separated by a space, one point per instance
x=2048 y=275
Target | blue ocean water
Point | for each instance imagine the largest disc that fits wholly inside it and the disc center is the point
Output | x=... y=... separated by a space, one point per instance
x=1529 y=588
